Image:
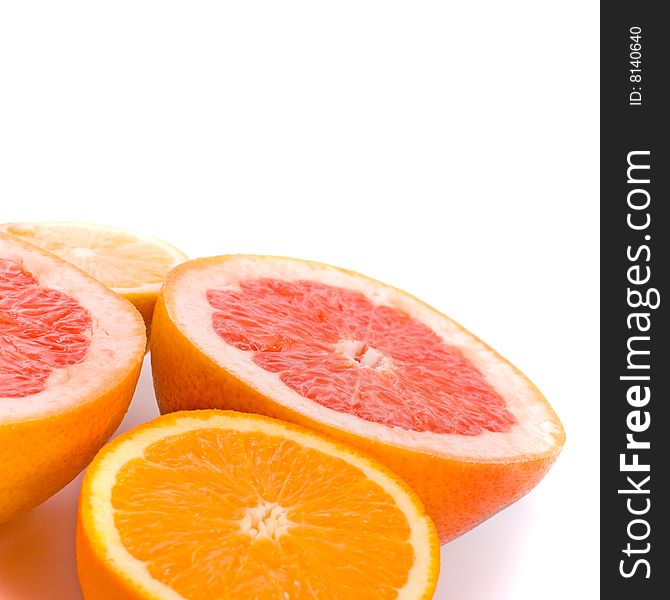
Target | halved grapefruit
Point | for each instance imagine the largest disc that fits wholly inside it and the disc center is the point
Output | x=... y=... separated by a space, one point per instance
x=132 y=264
x=364 y=362
x=216 y=504
x=70 y=356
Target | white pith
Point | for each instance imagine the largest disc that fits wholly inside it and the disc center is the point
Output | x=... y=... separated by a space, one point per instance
x=266 y=520
x=103 y=473
x=362 y=355
x=117 y=338
x=537 y=432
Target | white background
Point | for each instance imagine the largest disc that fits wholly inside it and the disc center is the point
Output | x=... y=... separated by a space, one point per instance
x=448 y=148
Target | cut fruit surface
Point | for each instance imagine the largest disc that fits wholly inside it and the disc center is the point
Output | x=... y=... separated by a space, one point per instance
x=131 y=264
x=70 y=355
x=365 y=362
x=42 y=329
x=219 y=504
x=334 y=346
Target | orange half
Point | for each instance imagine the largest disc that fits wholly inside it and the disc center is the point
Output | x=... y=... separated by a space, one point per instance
x=207 y=505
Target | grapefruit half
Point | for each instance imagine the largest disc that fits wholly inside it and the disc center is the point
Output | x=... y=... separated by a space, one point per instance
x=70 y=356
x=364 y=362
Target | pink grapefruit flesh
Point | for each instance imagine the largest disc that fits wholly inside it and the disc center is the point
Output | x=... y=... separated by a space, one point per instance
x=42 y=329
x=335 y=347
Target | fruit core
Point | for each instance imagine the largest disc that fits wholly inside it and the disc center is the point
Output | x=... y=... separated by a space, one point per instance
x=41 y=329
x=267 y=520
x=336 y=347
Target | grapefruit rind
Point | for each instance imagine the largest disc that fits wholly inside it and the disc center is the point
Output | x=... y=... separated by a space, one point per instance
x=536 y=434
x=102 y=557
x=48 y=437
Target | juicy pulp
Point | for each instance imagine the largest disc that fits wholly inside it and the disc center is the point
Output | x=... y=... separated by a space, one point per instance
x=41 y=329
x=335 y=347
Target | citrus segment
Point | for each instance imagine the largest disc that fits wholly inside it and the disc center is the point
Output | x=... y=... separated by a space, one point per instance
x=361 y=361
x=214 y=504
x=133 y=265
x=70 y=355
x=336 y=347
x=42 y=329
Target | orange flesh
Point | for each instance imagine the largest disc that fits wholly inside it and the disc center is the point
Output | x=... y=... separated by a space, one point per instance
x=41 y=329
x=247 y=515
x=335 y=347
